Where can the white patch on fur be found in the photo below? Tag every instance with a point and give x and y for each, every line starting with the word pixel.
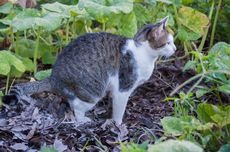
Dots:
pixel 80 108
pixel 145 57
pixel 169 49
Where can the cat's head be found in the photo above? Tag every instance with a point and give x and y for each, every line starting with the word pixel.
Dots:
pixel 158 39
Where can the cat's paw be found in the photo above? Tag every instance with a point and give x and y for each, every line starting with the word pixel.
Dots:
pixel 108 124
pixel 82 120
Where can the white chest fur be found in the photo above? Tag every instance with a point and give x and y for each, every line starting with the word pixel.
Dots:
pixel 145 60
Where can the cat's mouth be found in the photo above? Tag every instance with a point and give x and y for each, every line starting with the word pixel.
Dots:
pixel 168 55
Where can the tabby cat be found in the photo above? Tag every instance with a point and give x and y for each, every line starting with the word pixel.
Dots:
pixel 95 63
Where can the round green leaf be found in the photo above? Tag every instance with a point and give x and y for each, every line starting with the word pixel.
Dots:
pixel 175 146
pixel 10 60
pixel 100 10
pixel 192 19
pixel 224 148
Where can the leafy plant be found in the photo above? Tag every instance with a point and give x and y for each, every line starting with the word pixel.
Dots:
pixel 175 146
pixel 13 66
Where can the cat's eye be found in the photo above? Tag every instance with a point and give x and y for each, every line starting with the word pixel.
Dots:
pixel 168 43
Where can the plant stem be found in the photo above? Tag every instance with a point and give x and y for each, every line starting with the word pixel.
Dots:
pixel 214 24
pixel 16 47
pixel 201 46
pixel 73 27
pixel 7 83
pixel 12 38
pixel 195 77
pixel 36 51
pixel 67 31
pixel 103 26
pixel 186 82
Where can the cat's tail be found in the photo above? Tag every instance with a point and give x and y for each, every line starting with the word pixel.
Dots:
pixel 16 92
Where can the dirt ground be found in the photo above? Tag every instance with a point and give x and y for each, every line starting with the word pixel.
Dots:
pixel 48 121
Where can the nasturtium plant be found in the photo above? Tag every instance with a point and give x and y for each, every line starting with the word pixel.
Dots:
pixel 66 11
pixel 193 23
pixel 26 48
pixel 6 8
pixel 33 19
pixel 215 114
pixel 10 64
pixel 131 147
pixel 224 148
pixel 102 9
pixel 177 126
pixel 129 25
pixel 175 146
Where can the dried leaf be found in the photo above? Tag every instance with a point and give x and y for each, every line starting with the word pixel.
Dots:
pixel 19 146
pixel 58 145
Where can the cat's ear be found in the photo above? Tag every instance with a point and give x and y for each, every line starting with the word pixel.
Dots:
pixel 151 31
pixel 142 35
pixel 164 22
pixel 159 30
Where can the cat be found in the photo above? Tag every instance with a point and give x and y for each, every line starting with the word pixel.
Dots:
pixel 95 63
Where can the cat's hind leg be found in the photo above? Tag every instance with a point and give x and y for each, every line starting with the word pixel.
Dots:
pixel 80 108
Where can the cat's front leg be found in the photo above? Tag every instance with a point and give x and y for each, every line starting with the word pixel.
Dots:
pixel 120 100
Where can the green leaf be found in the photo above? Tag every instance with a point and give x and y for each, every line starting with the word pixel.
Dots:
pixel 224 148
pixel 172 126
pixel 10 62
pixel 175 146
pixel 193 20
pixel 205 111
pixel 219 57
pixel 28 63
pixel 177 126
pixel 100 10
pixel 128 26
pixel 66 11
pixel 222 119
pixel 145 13
pixel 47 149
pixel 131 147
pixel 33 19
pixel 185 34
pixel 225 88
pixel 201 92
pixel 4 66
pixel 43 74
pixel 48 58
pixel 6 8
pixel 190 65
pixel 26 47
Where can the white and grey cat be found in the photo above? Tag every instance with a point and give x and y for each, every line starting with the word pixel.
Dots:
pixel 95 63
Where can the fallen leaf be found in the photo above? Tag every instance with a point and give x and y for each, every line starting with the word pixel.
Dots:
pixel 19 146
pixel 59 146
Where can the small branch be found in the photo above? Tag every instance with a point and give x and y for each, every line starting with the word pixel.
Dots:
pixel 214 24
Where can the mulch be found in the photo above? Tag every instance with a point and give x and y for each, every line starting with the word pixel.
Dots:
pixel 47 121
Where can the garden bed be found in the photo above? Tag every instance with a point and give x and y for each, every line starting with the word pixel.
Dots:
pixel 47 119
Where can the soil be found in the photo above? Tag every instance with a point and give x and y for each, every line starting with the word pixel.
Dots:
pixel 46 120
